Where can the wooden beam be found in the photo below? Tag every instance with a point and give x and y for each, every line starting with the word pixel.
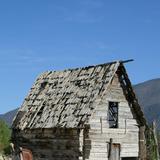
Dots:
pixel 155 139
pixel 110 148
pixel 126 61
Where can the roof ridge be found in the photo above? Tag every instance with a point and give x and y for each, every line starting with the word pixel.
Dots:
pixel 101 64
pixel 84 67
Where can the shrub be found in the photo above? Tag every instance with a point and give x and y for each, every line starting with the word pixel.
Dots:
pixel 5 134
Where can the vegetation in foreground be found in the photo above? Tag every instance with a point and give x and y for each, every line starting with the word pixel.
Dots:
pixel 5 134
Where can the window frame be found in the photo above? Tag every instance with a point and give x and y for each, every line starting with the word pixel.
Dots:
pixel 113 111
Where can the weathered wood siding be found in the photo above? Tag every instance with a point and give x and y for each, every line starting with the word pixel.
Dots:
pixel 127 133
pixel 92 142
pixel 65 115
pixel 50 144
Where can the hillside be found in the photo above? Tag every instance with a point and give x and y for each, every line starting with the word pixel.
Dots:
pixel 148 94
pixel 8 117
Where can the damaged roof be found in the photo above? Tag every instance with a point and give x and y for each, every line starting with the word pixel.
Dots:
pixel 64 98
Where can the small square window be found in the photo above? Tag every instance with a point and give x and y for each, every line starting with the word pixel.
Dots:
pixel 113 114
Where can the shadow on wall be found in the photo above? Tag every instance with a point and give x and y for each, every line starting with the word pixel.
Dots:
pixel 52 143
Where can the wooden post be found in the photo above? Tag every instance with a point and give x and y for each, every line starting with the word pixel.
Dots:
pixel 110 148
pixel 125 126
pixel 84 137
pixel 155 139
pixel 101 125
pixel 21 155
pixel 142 143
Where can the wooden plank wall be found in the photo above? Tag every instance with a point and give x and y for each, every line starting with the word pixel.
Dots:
pixel 92 142
pixel 127 133
pixel 49 144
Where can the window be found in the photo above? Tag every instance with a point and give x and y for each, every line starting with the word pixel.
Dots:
pixel 113 114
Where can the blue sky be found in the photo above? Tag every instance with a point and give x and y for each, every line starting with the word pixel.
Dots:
pixel 38 35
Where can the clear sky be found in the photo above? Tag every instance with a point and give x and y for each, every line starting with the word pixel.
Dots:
pixel 40 35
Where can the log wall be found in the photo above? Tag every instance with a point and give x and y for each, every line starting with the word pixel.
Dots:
pixel 50 144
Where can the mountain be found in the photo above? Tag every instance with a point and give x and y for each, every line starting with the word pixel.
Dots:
pixel 8 117
pixel 148 94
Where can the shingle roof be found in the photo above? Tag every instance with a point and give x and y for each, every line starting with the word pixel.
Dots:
pixel 68 98
pixel 64 98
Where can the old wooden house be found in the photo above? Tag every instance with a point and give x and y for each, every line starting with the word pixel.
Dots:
pixel 88 113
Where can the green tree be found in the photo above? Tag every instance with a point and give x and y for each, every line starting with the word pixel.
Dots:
pixel 5 134
pixel 151 144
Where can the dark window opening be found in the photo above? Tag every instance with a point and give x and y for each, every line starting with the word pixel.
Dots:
pixel 113 114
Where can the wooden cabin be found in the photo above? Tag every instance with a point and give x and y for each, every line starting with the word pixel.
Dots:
pixel 88 113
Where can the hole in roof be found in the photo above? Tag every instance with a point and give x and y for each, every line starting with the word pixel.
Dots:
pixel 41 110
pixel 43 85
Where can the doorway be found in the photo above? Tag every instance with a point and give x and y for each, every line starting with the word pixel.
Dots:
pixel 114 152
